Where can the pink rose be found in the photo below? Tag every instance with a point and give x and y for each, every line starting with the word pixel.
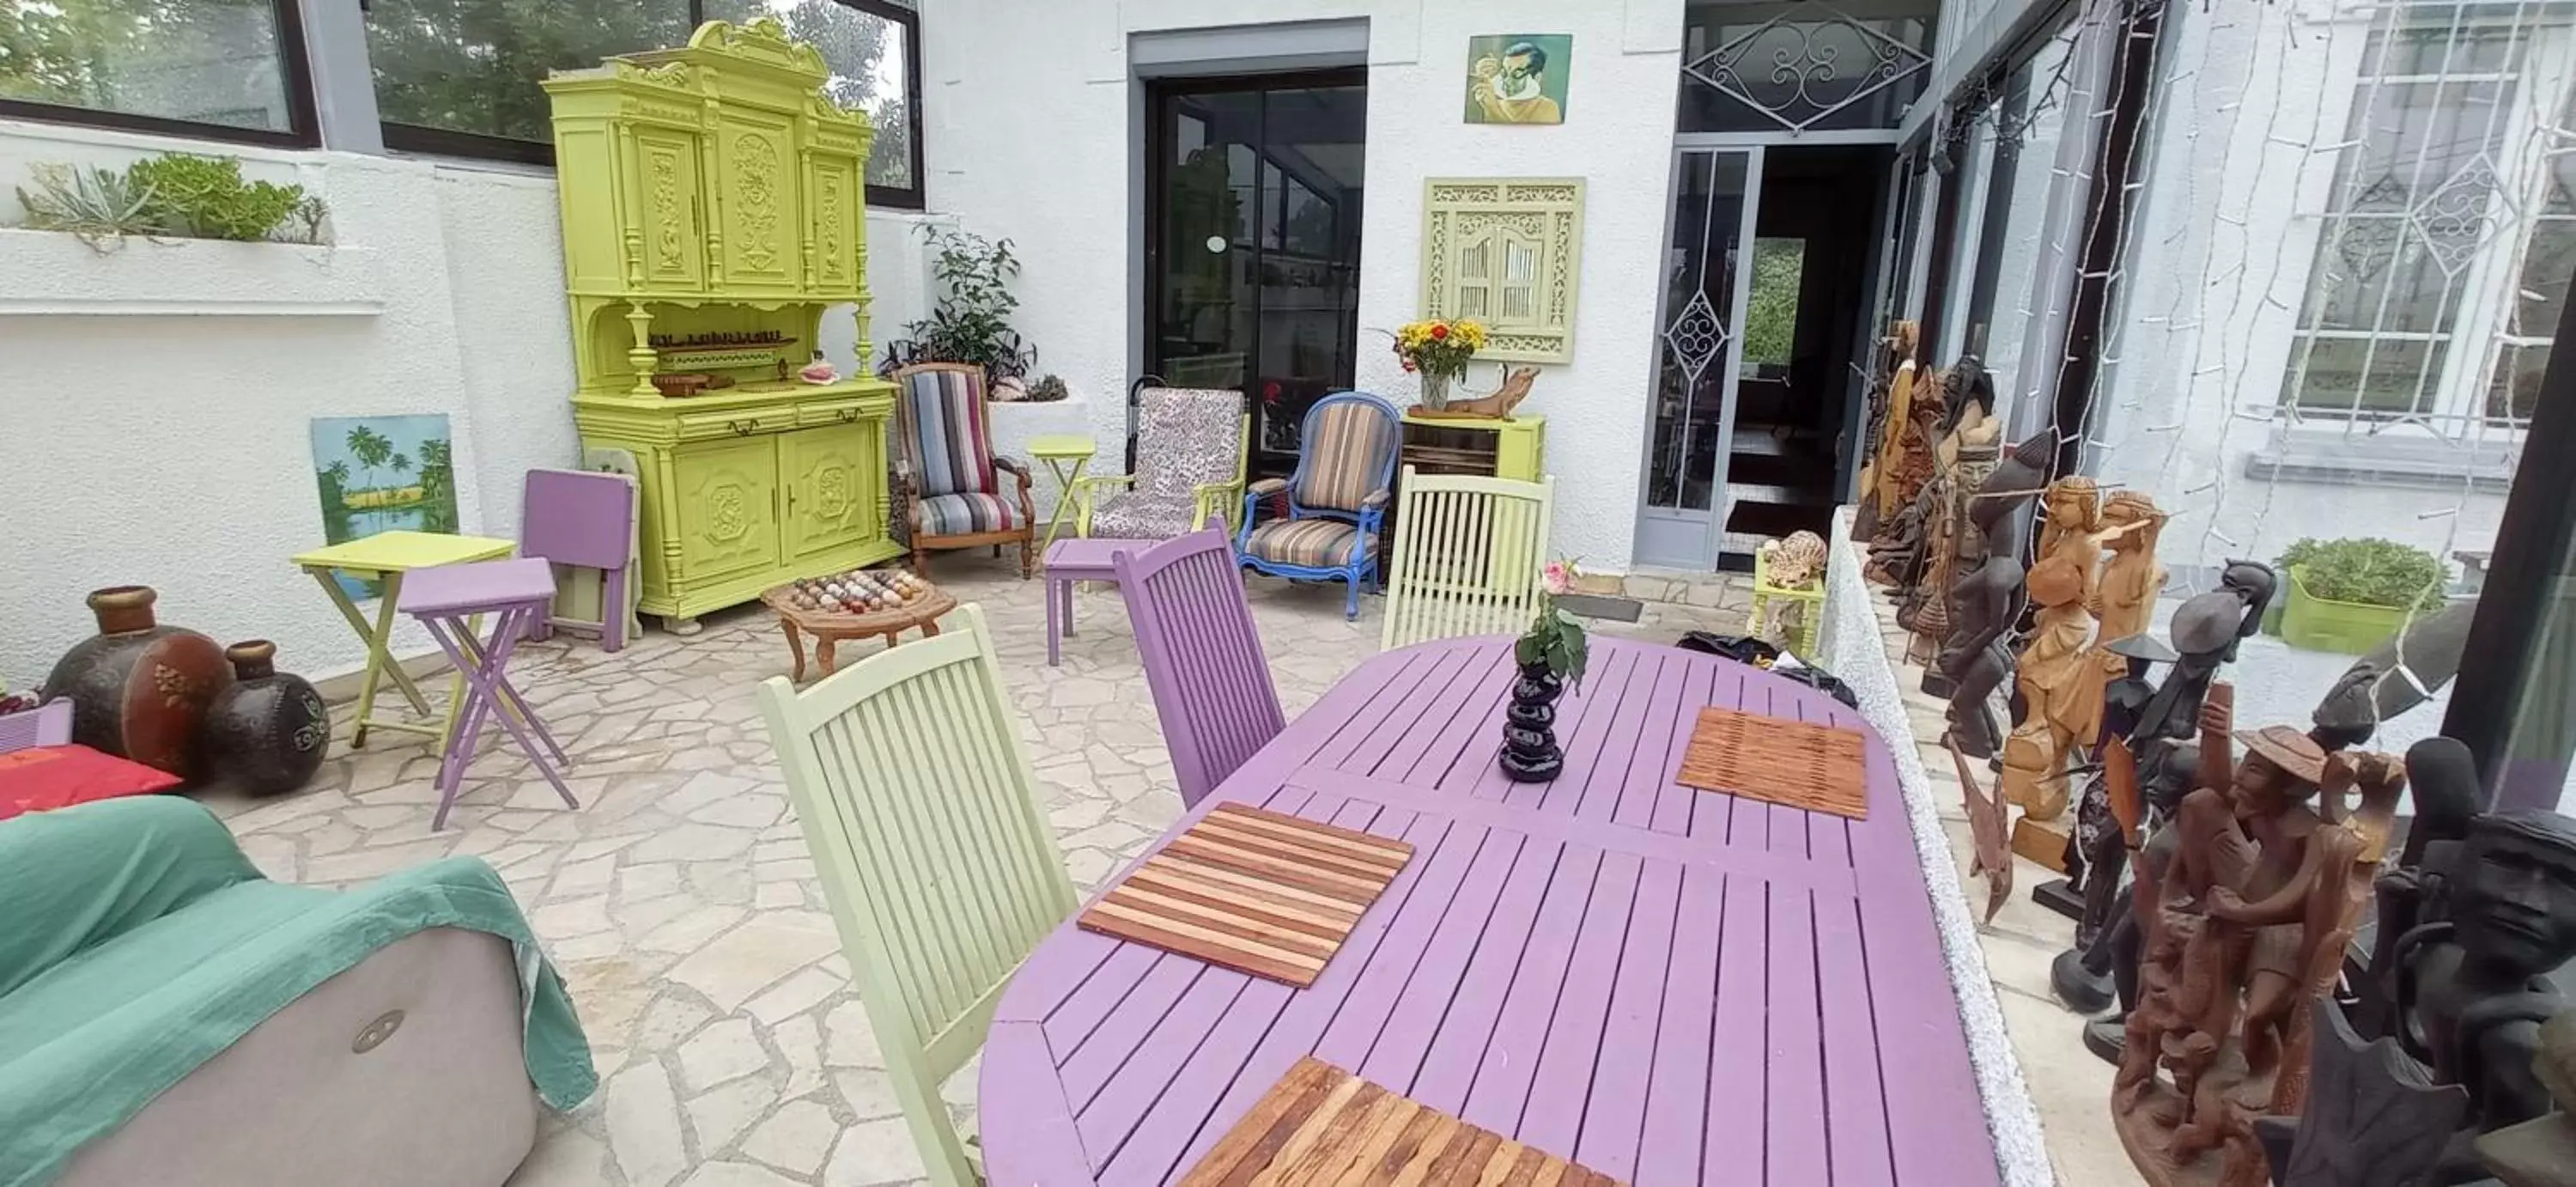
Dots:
pixel 1557 577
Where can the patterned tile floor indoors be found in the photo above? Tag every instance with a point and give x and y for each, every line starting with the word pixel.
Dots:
pixel 679 900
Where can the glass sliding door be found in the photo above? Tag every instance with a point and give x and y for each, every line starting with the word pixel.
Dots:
pixel 1254 188
pixel 1706 265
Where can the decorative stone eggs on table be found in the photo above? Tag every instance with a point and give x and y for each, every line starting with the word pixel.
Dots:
pixel 859 591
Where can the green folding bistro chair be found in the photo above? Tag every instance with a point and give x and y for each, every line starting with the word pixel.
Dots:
pixel 908 775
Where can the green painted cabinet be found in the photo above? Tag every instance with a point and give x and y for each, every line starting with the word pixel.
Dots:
pixel 714 212
pixel 830 506
pixel 727 509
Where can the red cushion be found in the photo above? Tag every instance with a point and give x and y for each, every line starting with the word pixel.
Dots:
pixel 42 777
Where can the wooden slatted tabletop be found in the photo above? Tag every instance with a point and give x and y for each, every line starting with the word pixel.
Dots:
pixel 1666 985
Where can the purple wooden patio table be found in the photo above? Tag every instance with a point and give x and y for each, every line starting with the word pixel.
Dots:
pixel 1668 985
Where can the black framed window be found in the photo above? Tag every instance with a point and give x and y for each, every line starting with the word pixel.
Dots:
pixel 459 77
pixel 211 69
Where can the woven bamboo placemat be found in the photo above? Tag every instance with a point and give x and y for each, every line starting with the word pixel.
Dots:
pixel 1801 764
pixel 1320 1126
pixel 1256 891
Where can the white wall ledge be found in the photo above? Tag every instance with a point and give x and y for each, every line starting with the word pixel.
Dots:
pixel 55 273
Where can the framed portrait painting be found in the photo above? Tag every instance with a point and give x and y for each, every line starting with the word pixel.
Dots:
pixel 1518 78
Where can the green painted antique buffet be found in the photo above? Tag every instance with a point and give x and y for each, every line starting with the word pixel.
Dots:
pixel 714 206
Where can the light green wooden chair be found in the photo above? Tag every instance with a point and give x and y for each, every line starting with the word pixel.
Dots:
pixel 1468 554
pixel 908 775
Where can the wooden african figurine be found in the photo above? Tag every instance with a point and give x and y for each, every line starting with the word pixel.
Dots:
pixel 1880 399
pixel 1896 557
pixel 2125 598
pixel 1992 856
pixel 2472 988
pixel 2060 678
pixel 2244 927
pixel 1986 602
pixel 1965 454
pixel 1879 482
pixel 2375 1118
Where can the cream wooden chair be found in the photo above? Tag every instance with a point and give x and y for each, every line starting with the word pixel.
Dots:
pixel 1468 555
pixel 909 777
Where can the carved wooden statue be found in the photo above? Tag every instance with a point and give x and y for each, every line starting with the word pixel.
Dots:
pixel 1986 812
pixel 2471 988
pixel 1987 601
pixel 1878 482
pixel 1887 410
pixel 2060 678
pixel 1966 453
pixel 2446 795
pixel 2126 597
pixel 1896 557
pixel 2206 629
pixel 2374 1117
pixel 2244 927
pixel 2542 1152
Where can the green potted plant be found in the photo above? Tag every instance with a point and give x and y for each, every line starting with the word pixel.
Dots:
pixel 971 321
pixel 2347 596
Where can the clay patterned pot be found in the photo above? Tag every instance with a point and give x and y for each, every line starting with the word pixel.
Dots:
pixel 267 732
pixel 139 689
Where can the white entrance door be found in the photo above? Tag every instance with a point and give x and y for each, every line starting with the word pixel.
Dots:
pixel 1707 254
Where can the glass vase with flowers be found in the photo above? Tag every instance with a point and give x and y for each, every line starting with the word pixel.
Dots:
pixel 1438 350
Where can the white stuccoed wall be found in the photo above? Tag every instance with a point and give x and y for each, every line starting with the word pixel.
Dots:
pixel 171 449
pixel 1030 136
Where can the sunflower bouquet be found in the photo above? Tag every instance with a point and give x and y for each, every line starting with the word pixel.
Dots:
pixel 1439 350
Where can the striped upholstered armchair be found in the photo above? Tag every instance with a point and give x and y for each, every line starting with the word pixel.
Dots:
pixel 950 477
pixel 1336 500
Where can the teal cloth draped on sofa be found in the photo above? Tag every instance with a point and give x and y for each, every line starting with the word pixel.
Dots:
pixel 139 943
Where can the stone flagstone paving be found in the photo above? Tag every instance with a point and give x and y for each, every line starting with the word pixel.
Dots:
pixel 681 905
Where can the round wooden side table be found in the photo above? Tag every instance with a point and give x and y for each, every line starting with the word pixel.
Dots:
pixel 829 627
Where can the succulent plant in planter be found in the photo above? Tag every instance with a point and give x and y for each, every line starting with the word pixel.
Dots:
pixel 1047 391
pixel 174 194
pixel 2349 595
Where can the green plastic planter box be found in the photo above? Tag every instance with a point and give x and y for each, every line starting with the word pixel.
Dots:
pixel 2345 628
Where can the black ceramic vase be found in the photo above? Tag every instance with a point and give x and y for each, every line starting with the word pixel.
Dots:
pixel 1530 754
pixel 267 732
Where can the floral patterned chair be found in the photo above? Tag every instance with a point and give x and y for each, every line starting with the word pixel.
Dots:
pixel 1337 499
pixel 950 477
pixel 1190 450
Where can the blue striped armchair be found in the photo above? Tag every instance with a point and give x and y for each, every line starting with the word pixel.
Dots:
pixel 1337 499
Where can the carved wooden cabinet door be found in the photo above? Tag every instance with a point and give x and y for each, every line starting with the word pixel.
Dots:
pixel 666 200
pixel 727 507
pixel 757 182
pixel 833 475
pixel 839 198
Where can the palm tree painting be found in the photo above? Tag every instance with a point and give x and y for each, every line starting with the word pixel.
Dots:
pixel 383 474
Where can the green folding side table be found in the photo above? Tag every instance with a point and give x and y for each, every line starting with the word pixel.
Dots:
pixel 385 557
pixel 1065 455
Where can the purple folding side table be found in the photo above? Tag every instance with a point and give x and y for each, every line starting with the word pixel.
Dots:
pixel 1069 561
pixel 519 593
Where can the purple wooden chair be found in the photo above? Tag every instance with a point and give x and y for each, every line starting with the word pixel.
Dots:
pixel 584 519
pixel 1202 656
pixel 48 724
